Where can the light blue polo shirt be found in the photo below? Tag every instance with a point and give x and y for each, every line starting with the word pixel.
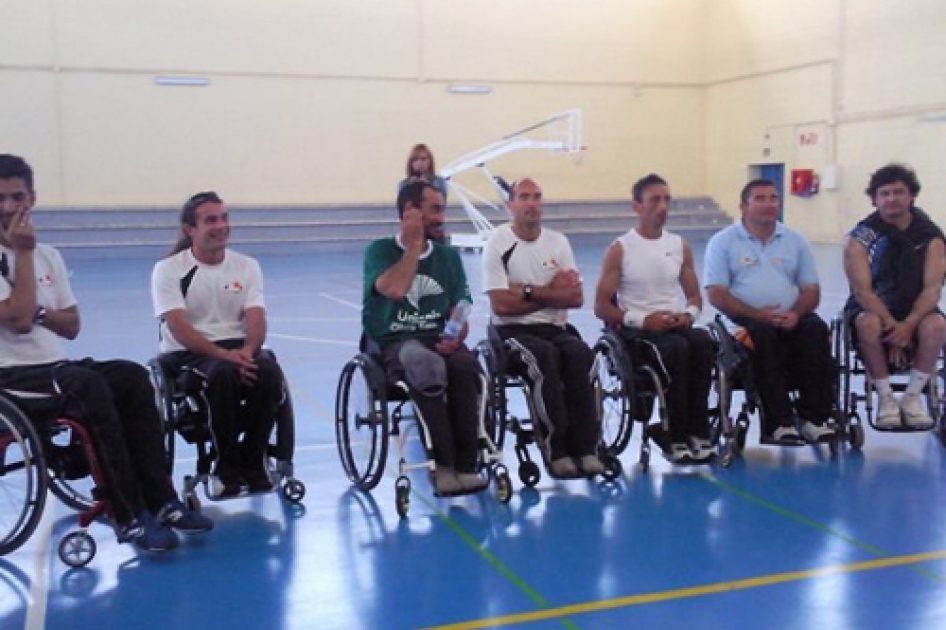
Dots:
pixel 760 275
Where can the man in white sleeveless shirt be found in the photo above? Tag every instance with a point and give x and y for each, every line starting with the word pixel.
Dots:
pixel 648 290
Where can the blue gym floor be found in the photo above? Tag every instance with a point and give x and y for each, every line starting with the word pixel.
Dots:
pixel 784 539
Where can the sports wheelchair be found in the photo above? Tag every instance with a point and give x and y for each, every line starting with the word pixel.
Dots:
pixel 185 411
pixel 852 366
pixel 51 451
pixel 493 353
pixel 369 410
pixel 734 373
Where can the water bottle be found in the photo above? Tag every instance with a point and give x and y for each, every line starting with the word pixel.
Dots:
pixel 461 312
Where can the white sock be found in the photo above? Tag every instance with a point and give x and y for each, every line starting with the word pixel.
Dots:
pixel 882 385
pixel 918 381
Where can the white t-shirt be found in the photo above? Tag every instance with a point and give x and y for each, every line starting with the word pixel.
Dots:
pixel 650 274
pixel 507 258
pixel 53 292
pixel 217 295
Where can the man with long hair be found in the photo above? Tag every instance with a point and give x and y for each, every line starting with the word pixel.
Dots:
pixel 209 299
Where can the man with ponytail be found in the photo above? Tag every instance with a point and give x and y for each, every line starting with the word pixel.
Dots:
pixel 209 300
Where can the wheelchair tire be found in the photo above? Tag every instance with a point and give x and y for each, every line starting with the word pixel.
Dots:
pixel 855 435
pixel 77 549
pixel 503 484
pixel 614 389
pixel 293 491
pixel 495 395
pixel 361 422
pixel 23 479
pixel 402 496
pixel 612 468
pixel 529 474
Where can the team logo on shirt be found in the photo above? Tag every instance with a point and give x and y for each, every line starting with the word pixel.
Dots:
pixel 45 280
pixel 551 263
pixel 747 261
pixel 421 288
pixel 233 287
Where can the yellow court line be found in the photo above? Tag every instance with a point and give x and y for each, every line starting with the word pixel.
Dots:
pixel 694 591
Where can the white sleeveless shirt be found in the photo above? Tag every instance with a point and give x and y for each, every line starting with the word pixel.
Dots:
pixel 650 274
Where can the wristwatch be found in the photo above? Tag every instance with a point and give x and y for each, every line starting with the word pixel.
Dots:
pixel 40 315
pixel 527 292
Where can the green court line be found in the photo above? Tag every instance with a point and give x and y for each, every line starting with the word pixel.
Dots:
pixel 804 520
pixel 694 591
pixel 492 560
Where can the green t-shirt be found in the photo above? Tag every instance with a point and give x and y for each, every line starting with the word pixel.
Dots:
pixel 439 284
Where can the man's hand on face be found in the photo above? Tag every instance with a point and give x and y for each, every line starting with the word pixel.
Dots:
pixel 412 228
pixel 20 235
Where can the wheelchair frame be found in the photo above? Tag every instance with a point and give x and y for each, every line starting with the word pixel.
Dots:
pixel 36 454
pixel 733 373
pixel 183 396
pixel 492 352
pixel 851 364
pixel 381 421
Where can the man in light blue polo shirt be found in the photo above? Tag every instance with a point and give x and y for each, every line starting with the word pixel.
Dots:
pixel 762 276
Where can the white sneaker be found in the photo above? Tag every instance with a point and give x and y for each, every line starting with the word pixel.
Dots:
pixel 914 412
pixel 815 433
pixel 701 449
pixel 888 411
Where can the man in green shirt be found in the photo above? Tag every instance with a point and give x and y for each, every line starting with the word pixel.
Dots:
pixel 413 282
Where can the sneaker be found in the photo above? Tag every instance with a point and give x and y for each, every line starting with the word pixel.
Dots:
pixel 591 465
pixel 148 534
pixel 446 482
pixel 785 435
pixel 258 480
pixel 815 433
pixel 888 411
pixel 176 515
pixel 563 468
pixel 224 487
pixel 678 453
pixel 701 449
pixel 471 482
pixel 914 412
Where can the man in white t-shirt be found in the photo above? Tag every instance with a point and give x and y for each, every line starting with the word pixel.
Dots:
pixel 649 292
pixel 210 302
pixel 113 400
pixel 530 277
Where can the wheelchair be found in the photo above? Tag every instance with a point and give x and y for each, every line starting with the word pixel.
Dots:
pixel 852 367
pixel 733 372
pixel 370 410
pixel 184 409
pixel 493 353
pixel 629 391
pixel 52 452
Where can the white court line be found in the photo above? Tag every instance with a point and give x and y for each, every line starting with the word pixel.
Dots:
pixel 329 296
pixel 334 342
pixel 39 588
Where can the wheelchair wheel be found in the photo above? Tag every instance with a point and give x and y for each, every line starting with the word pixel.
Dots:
pixel 77 549
pixel 612 467
pixel 402 496
pixel 23 480
pixel 68 470
pixel 529 474
pixel 164 402
pixel 495 395
pixel 503 484
pixel 361 422
pixel 293 491
pixel 613 391
pixel 855 433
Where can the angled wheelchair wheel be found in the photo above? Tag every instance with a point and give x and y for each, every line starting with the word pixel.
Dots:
pixel 77 549
pixel 164 401
pixel 23 479
pixel 361 422
pixel 68 469
pixel 495 394
pixel 613 389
